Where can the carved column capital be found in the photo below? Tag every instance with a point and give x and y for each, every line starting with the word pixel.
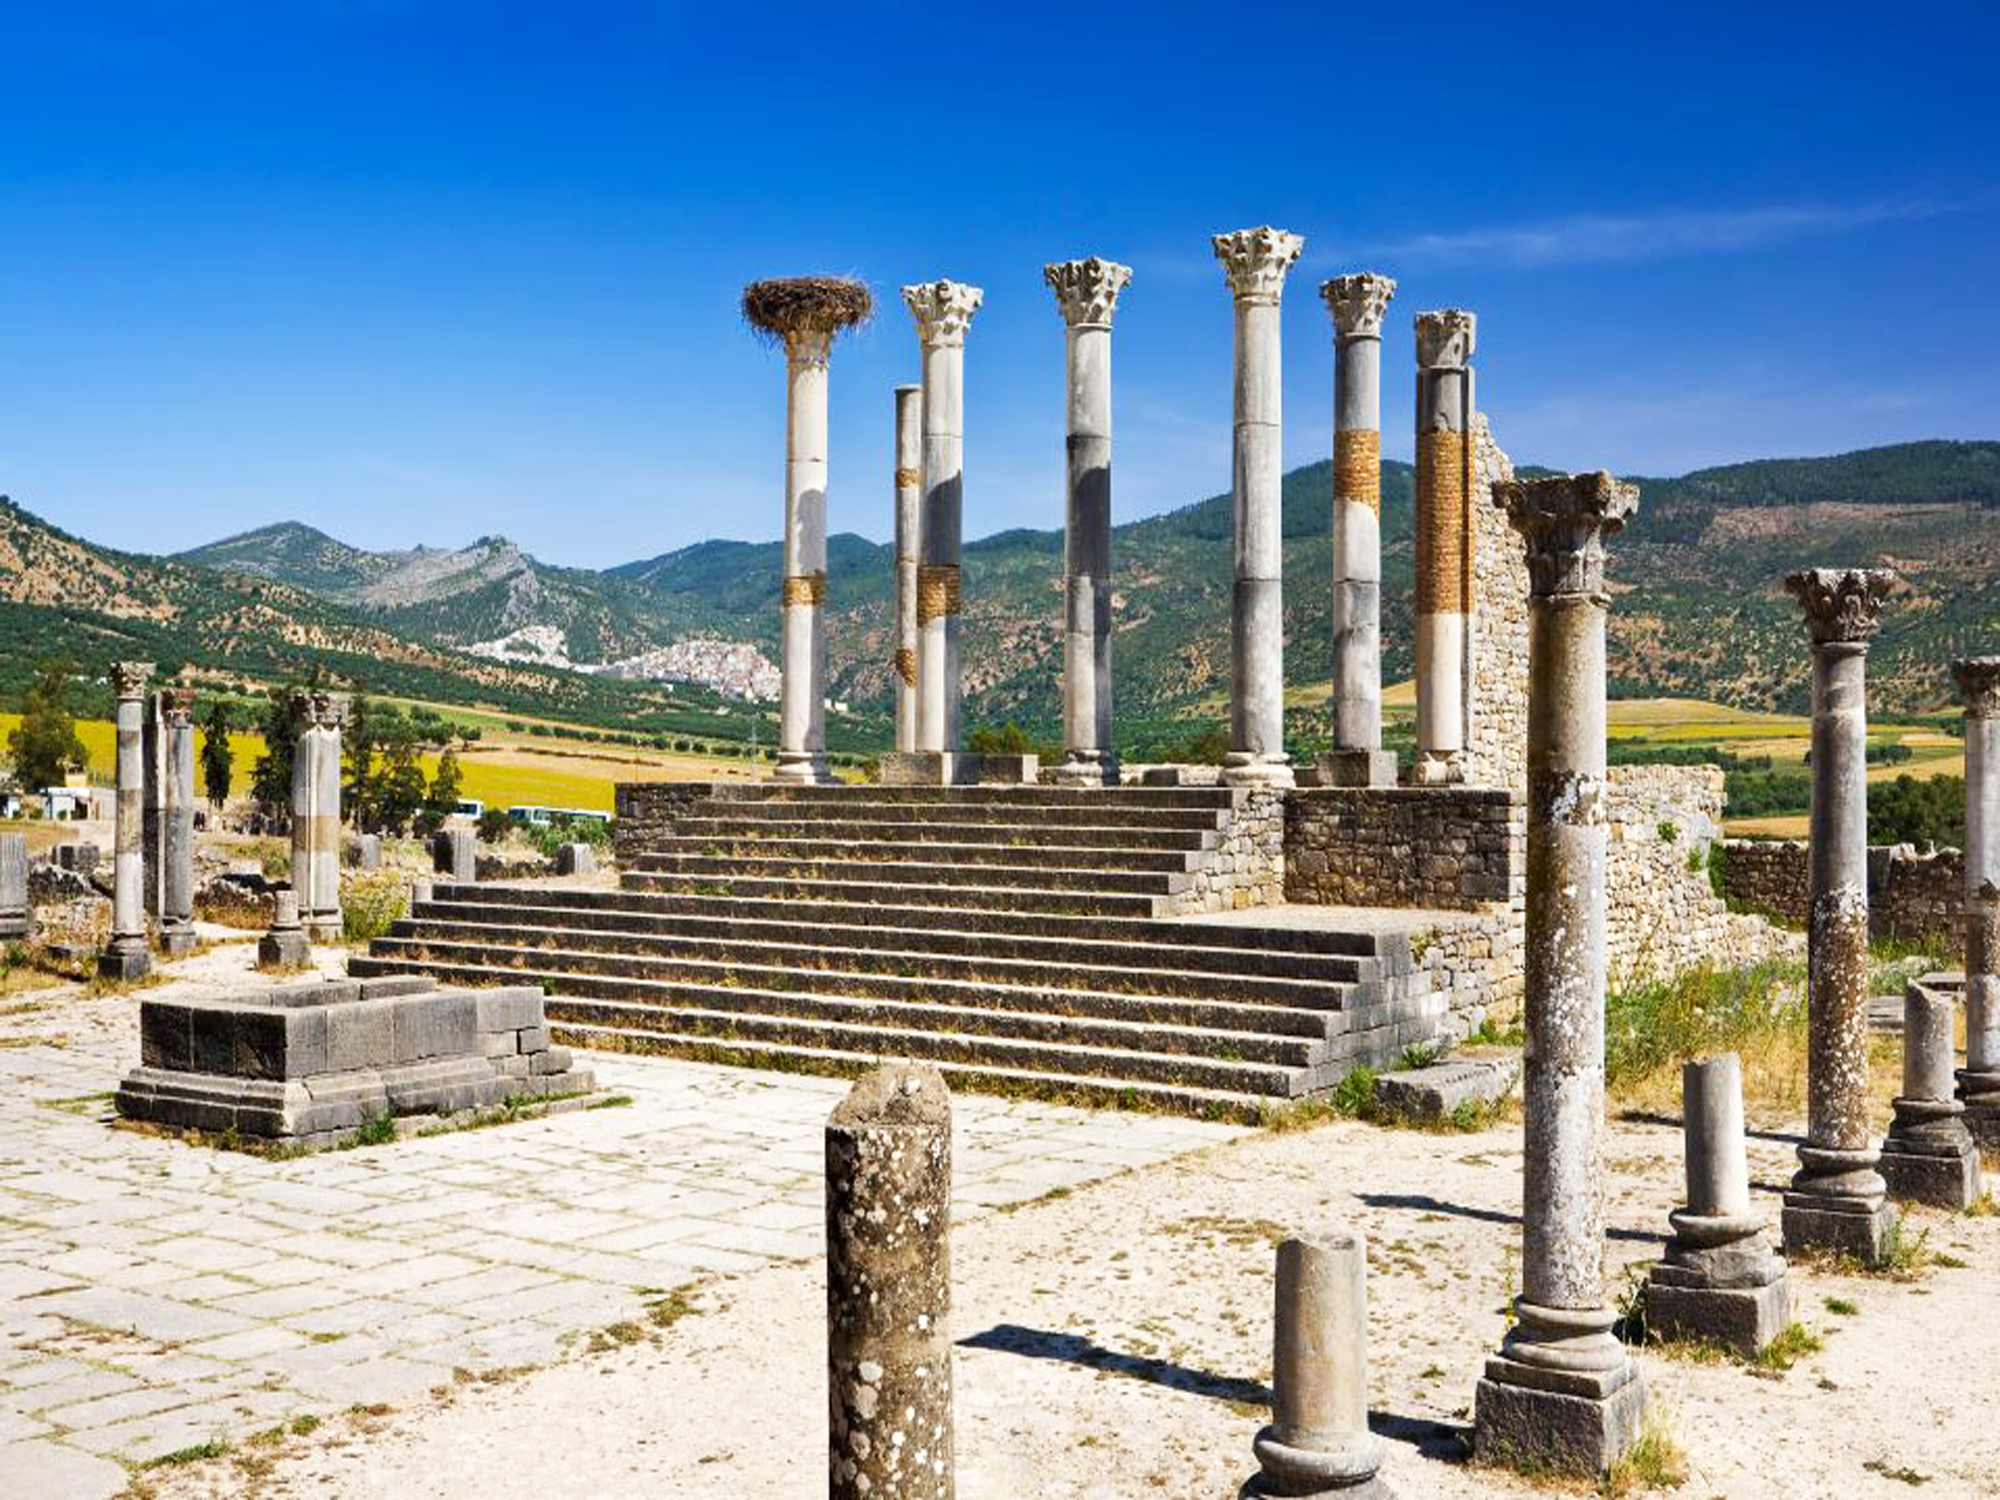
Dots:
pixel 1564 520
pixel 808 347
pixel 1358 303
pixel 177 706
pixel 1446 338
pixel 1087 290
pixel 329 710
pixel 1842 605
pixel 128 678
pixel 1256 260
pixel 943 310
pixel 1978 679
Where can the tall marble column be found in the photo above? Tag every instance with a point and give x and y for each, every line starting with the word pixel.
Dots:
pixel 1979 1084
pixel 1562 1392
pixel 1255 262
pixel 316 814
pixel 1087 296
pixel 1444 539
pixel 1837 1199
pixel 909 520
pixel 127 956
pixel 943 311
pixel 177 822
pixel 1357 304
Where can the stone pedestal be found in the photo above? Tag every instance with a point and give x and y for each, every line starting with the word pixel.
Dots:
pixel 1978 680
pixel 1928 1155
pixel 1838 1200
pixel 1256 262
pixel 888 1288
pixel 1444 532
pixel 1719 1282
pixel 14 923
pixel 177 936
pixel 1087 296
pixel 285 945
pixel 364 852
pixel 455 854
pixel 1318 1444
pixel 576 859
pixel 128 956
pixel 1562 1393
pixel 943 311
pixel 1357 768
pixel 909 489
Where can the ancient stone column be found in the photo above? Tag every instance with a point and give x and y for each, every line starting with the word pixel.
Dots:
pixel 1837 1199
pixel 14 922
pixel 1979 1085
pixel 284 946
pixel 943 311
pixel 1255 262
pixel 1357 303
pixel 806 314
pixel 127 956
pixel 455 852
pixel 1444 539
pixel 888 1288
pixel 1719 1281
pixel 1562 1392
pixel 1318 1443
pixel 1087 296
pixel 316 814
pixel 1928 1155
pixel 909 517
pixel 177 822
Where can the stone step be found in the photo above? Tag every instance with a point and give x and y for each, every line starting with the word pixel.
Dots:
pixel 1083 900
pixel 892 969
pixel 784 927
pixel 1020 796
pixel 1051 876
pixel 997 814
pixel 918 831
pixel 773 1016
pixel 1022 855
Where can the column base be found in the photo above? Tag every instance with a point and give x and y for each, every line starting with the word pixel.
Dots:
pixel 127 958
pixel 1357 768
pixel 1944 1179
pixel 1438 768
pixel 1864 1228
pixel 283 950
pixel 1345 1471
pixel 1087 769
pixel 1681 1305
pixel 1981 1094
pixel 325 930
pixel 929 768
pixel 14 927
pixel 1248 768
pixel 1568 1421
pixel 801 768
pixel 177 941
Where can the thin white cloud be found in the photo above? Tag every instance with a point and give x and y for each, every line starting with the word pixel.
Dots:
pixel 1594 239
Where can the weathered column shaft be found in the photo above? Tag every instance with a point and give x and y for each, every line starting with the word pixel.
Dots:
pixel 14 923
pixel 127 956
pixel 326 918
pixel 177 831
pixel 909 491
pixel 1979 682
pixel 1445 342
pixel 1929 1154
pixel 888 1288
pixel 1718 1164
pixel 1318 1442
pixel 802 706
pixel 1357 304
pixel 1255 262
pixel 1086 296
pixel 305 805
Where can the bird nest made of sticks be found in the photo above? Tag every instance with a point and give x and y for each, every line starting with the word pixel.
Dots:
pixel 805 304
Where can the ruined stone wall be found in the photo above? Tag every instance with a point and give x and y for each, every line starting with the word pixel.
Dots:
pixel 1248 869
pixel 1445 848
pixel 1912 897
pixel 646 811
pixel 1496 654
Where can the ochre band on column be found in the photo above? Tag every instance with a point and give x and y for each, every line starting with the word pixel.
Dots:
pixel 1442 585
pixel 937 592
pixel 806 588
pixel 1357 467
pixel 909 479
pixel 906 667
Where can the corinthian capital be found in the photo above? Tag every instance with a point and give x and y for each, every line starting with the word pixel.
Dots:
pixel 1564 519
pixel 1087 290
pixel 943 310
pixel 1841 604
pixel 1979 681
pixel 1357 303
pixel 128 678
pixel 808 346
pixel 329 710
pixel 1445 338
pixel 1256 260
pixel 177 705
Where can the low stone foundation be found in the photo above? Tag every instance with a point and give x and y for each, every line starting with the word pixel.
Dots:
pixel 1248 868
pixel 1913 897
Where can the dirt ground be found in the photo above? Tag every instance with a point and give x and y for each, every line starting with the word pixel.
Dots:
pixel 1114 1341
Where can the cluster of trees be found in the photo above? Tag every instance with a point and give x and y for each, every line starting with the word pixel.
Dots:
pixel 45 746
pixel 1909 811
pixel 385 790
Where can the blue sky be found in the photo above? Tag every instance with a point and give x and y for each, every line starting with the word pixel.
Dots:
pixel 417 272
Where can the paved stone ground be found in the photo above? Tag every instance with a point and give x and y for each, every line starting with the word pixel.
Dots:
pixel 155 1296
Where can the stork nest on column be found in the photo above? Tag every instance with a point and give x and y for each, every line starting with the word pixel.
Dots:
pixel 789 305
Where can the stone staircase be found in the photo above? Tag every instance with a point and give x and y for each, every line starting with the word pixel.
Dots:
pixel 1020 938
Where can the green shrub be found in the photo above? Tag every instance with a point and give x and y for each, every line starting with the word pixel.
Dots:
pixel 1656 1025
pixel 370 905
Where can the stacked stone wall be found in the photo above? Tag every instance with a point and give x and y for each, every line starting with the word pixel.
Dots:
pixel 1496 657
pixel 647 811
pixel 1445 848
pixel 1248 868
pixel 1913 897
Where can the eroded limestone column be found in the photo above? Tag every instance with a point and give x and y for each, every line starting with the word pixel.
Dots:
pixel 909 513
pixel 1837 1199
pixel 1318 1443
pixel 316 814
pixel 943 311
pixel 1444 539
pixel 1562 1392
pixel 1979 1085
pixel 1255 262
pixel 1357 303
pixel 888 1288
pixel 177 822
pixel 127 956
pixel 14 921
pixel 1718 1282
pixel 1928 1155
pixel 1087 296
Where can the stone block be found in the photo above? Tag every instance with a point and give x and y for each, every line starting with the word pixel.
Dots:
pixel 1477 1076
pixel 455 852
pixel 1357 768
pixel 280 1043
pixel 284 948
pixel 1944 1180
pixel 397 984
pixel 361 1035
pixel 554 1060
pixel 126 963
pixel 311 992
pixel 1008 770
pixel 1744 1319
pixel 576 859
pixel 513 1009
pixel 1839 1226
pixel 443 1023
pixel 533 1039
pixel 1542 1428
pixel 929 768
pixel 499 1043
pixel 212 1039
pixel 364 851
pixel 166 1038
